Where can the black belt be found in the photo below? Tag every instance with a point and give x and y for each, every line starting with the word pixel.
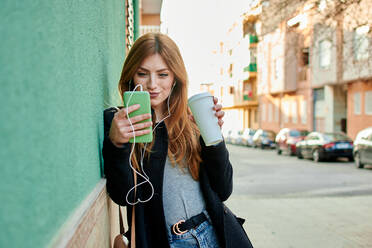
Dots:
pixel 184 226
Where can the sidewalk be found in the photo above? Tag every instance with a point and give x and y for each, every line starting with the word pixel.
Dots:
pixel 321 222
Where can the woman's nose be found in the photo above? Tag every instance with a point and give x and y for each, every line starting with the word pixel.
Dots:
pixel 151 82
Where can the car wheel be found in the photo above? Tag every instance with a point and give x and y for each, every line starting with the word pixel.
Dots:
pixel 358 162
pixel 316 155
pixel 298 153
pixel 278 151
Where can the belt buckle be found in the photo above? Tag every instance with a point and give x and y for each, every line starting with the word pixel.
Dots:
pixel 177 230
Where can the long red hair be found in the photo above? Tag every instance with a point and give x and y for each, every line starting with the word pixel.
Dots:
pixel 183 146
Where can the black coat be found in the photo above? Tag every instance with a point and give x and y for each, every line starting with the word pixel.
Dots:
pixel 215 180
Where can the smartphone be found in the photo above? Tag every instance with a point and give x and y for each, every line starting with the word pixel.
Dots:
pixel 143 99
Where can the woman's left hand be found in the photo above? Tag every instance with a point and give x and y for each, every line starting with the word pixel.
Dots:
pixel 219 113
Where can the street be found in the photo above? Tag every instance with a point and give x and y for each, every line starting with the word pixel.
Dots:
pixel 288 202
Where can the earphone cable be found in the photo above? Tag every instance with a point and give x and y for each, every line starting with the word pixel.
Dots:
pixel 143 151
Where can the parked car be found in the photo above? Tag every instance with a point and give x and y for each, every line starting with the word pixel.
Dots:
pixel 231 136
pixel 264 138
pixel 322 146
pixel 287 138
pixel 239 138
pixel 246 137
pixel 226 133
pixel 363 148
pixel 234 136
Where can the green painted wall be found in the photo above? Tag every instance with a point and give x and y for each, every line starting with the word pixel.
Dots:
pixel 59 67
pixel 137 14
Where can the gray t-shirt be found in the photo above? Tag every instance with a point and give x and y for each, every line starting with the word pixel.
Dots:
pixel 182 196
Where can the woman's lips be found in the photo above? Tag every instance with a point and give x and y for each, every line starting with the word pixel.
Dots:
pixel 153 94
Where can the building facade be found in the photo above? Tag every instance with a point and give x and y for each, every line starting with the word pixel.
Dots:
pixel 314 68
pixel 285 96
pixel 357 65
pixel 236 70
pixel 341 69
pixel 150 16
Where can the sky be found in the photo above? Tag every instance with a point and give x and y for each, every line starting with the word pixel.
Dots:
pixel 197 27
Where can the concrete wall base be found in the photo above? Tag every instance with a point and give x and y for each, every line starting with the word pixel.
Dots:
pixel 94 224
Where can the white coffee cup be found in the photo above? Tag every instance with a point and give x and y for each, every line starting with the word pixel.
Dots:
pixel 201 106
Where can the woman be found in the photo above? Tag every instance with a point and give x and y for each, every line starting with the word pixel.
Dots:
pixel 187 180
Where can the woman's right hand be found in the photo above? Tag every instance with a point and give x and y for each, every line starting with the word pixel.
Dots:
pixel 121 130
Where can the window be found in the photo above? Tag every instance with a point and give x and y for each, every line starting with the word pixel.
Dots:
pixel 276 68
pixel 247 91
pixel 294 112
pixel 319 94
pixel 270 112
pixel 231 90
pixel 276 110
pixel 303 109
pixel 361 42
pixel 263 111
pixel 325 53
pixel 368 103
pixel 253 55
pixel 255 115
pixel 305 56
pixel 294 133
pixel 231 67
pixel 285 110
pixel 357 103
pixel 329 137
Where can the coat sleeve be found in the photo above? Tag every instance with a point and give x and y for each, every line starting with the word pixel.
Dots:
pixel 116 164
pixel 218 168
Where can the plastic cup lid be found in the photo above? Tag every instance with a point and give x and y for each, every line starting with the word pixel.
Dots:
pixel 198 96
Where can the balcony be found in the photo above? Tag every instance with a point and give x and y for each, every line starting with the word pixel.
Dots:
pixel 252 67
pixel 149 28
pixel 253 39
pixel 247 97
pixel 249 91
pixel 250 71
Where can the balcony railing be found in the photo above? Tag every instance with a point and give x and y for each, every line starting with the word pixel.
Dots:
pixel 247 98
pixel 149 28
pixel 252 67
pixel 253 39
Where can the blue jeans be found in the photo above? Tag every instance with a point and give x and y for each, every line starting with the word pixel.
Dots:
pixel 203 236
